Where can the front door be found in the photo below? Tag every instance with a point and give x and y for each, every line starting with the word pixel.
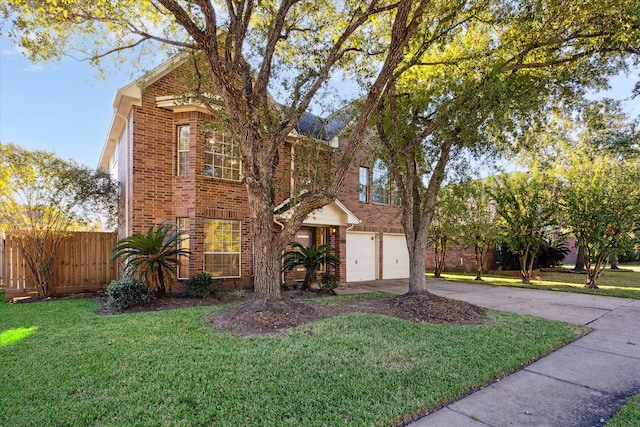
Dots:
pixel 304 236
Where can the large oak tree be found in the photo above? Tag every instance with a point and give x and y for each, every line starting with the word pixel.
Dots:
pixel 502 66
pixel 251 50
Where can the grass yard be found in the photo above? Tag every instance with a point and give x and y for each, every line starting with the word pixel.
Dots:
pixel 625 284
pixel 629 414
pixel 65 365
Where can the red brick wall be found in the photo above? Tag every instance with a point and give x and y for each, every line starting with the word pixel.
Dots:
pixel 153 162
pixel 458 258
pixel 374 217
pixel 156 194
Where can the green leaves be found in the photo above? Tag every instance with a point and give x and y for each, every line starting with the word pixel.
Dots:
pixel 42 196
pixel 527 205
pixel 152 257
pixel 600 205
pixel 311 258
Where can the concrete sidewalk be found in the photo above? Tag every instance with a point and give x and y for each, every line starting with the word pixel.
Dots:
pixel 581 384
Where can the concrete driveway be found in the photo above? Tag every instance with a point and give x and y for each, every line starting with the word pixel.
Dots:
pixel 581 384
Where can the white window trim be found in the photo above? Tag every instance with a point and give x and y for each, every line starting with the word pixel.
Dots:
pixel 207 151
pixel 373 184
pixel 367 185
pixel 226 253
pixel 182 231
pixel 179 151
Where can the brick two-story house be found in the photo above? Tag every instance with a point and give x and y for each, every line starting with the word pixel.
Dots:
pixel 172 167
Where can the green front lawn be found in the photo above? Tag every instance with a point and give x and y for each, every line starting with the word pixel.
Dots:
pixel 629 414
pixel 63 364
pixel 625 284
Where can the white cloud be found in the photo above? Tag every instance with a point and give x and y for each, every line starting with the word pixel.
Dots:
pixel 18 57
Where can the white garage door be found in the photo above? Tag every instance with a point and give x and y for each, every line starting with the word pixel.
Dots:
pixel 361 257
pixel 395 257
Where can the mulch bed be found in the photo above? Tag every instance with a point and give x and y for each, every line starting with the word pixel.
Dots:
pixel 257 317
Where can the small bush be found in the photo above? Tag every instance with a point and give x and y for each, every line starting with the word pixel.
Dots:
pixel 329 282
pixel 127 293
pixel 551 254
pixel 632 252
pixel 202 285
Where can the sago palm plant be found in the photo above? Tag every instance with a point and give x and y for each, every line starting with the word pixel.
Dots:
pixel 152 257
pixel 311 258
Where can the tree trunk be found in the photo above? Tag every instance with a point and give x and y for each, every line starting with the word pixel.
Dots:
pixel 161 292
pixel 266 280
pixel 266 241
pixel 579 259
pixel 43 278
pixel 308 278
pixel 479 261
pixel 525 273
pixel 417 269
pixel 613 260
pixel 440 251
pixel 591 284
pixel 39 258
pixel 594 272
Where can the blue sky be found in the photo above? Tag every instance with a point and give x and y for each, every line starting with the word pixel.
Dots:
pixel 64 107
pixel 61 106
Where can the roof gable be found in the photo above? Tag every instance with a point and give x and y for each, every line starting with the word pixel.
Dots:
pixel 131 95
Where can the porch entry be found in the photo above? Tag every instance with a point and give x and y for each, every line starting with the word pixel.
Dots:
pixel 308 236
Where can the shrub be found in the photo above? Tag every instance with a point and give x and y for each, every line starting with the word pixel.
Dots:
pixel 329 282
pixel 630 255
pixel 153 257
pixel 311 258
pixel 632 252
pixel 125 293
pixel 202 285
pixel 551 254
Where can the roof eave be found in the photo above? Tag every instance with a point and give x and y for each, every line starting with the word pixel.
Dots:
pixel 125 98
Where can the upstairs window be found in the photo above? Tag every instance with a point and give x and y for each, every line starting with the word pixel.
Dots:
pixel 381 187
pixel 363 187
pixel 397 199
pixel 222 157
pixel 184 135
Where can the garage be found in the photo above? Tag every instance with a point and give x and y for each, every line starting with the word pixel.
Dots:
pixel 395 257
pixel 361 257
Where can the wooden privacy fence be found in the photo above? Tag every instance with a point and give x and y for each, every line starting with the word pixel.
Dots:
pixel 82 263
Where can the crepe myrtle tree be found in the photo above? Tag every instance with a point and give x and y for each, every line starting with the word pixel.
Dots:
pixel 526 203
pixel 594 151
pixel 251 52
pixel 446 224
pixel 478 228
pixel 43 198
pixel 600 205
pixel 608 130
